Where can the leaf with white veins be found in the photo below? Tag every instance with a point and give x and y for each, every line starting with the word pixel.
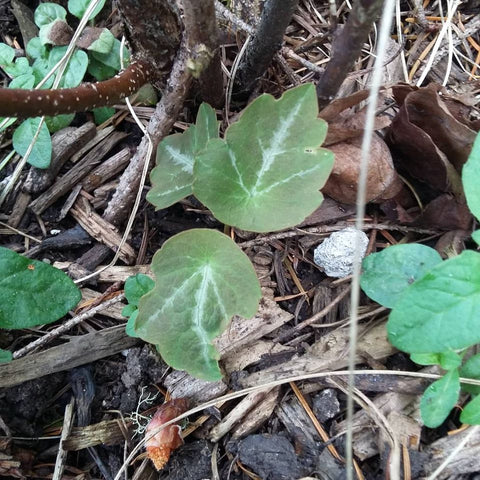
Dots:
pixel 202 280
pixel 172 178
pixel 267 173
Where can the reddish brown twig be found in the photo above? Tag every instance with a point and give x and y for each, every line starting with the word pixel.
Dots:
pixel 17 102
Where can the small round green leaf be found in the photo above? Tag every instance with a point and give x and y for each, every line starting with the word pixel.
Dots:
pixel 20 67
pixel 471 179
pixel 385 275
pixel 136 287
pixel 439 399
pixel 54 124
pixel 32 292
pixel 40 69
pixel 172 178
pixel 267 173
pixel 41 153
pixel 202 279
pixel 79 7
pixel 112 58
pixel 104 42
pixel 7 54
pixel 35 49
pixel 425 358
pixel 471 412
pixel 48 12
pixel 439 312
pixel 26 81
pixel 76 68
pixel 5 356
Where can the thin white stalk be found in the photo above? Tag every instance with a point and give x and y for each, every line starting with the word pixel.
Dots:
pixel 385 24
pixel 398 20
pixel 450 43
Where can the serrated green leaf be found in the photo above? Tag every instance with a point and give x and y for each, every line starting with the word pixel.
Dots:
pixel 202 279
pixel 7 54
pixel 41 153
pixel 439 312
pixel 425 358
pixel 23 81
pixel 471 179
pixel 76 68
pixel 48 12
pixel 79 7
pixel 5 356
pixel 385 275
pixel 267 173
pixel 102 114
pixel 20 67
pixel 439 399
pixel 54 124
pixel 104 43
pixel 172 178
pixel 471 369
pixel 476 236
pixel 32 292
pixel 471 412
pixel 35 49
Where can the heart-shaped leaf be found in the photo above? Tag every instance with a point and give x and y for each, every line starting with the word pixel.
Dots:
pixel 439 312
pixel 439 399
pixel 388 273
pixel 267 173
pixel 41 153
pixel 32 292
pixel 172 178
pixel 202 279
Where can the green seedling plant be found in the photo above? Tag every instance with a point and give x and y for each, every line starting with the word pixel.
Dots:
pixel 32 293
pixel 435 309
pixel 99 56
pixel 264 175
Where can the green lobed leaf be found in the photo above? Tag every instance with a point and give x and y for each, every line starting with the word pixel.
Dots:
pixel 136 287
pixel 76 68
pixel 54 124
pixel 267 173
pixel 79 7
pixel 112 58
pixel 5 356
pixel 471 412
pixel 26 80
pixel 35 49
pixel 439 399
pixel 32 292
pixel 20 67
pixel 202 280
pixel 172 178
pixel 7 54
pixel 48 12
pixel 471 369
pixel 41 153
pixel 104 43
pixel 471 179
pixel 385 275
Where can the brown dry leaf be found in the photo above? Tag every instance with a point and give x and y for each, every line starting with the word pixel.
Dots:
pixel 161 444
pixel 382 179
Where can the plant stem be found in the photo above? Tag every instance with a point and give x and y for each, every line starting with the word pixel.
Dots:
pixel 22 103
pixel 267 41
pixel 346 48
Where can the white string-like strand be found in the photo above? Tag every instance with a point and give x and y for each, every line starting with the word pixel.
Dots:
pixel 138 198
pixel 385 24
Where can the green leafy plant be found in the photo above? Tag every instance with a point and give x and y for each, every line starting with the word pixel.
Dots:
pixel 32 293
pixel 435 307
pixel 264 175
pixel 135 287
pixel 99 55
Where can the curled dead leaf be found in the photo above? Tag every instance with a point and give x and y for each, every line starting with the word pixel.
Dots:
pixel 382 179
pixel 160 445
